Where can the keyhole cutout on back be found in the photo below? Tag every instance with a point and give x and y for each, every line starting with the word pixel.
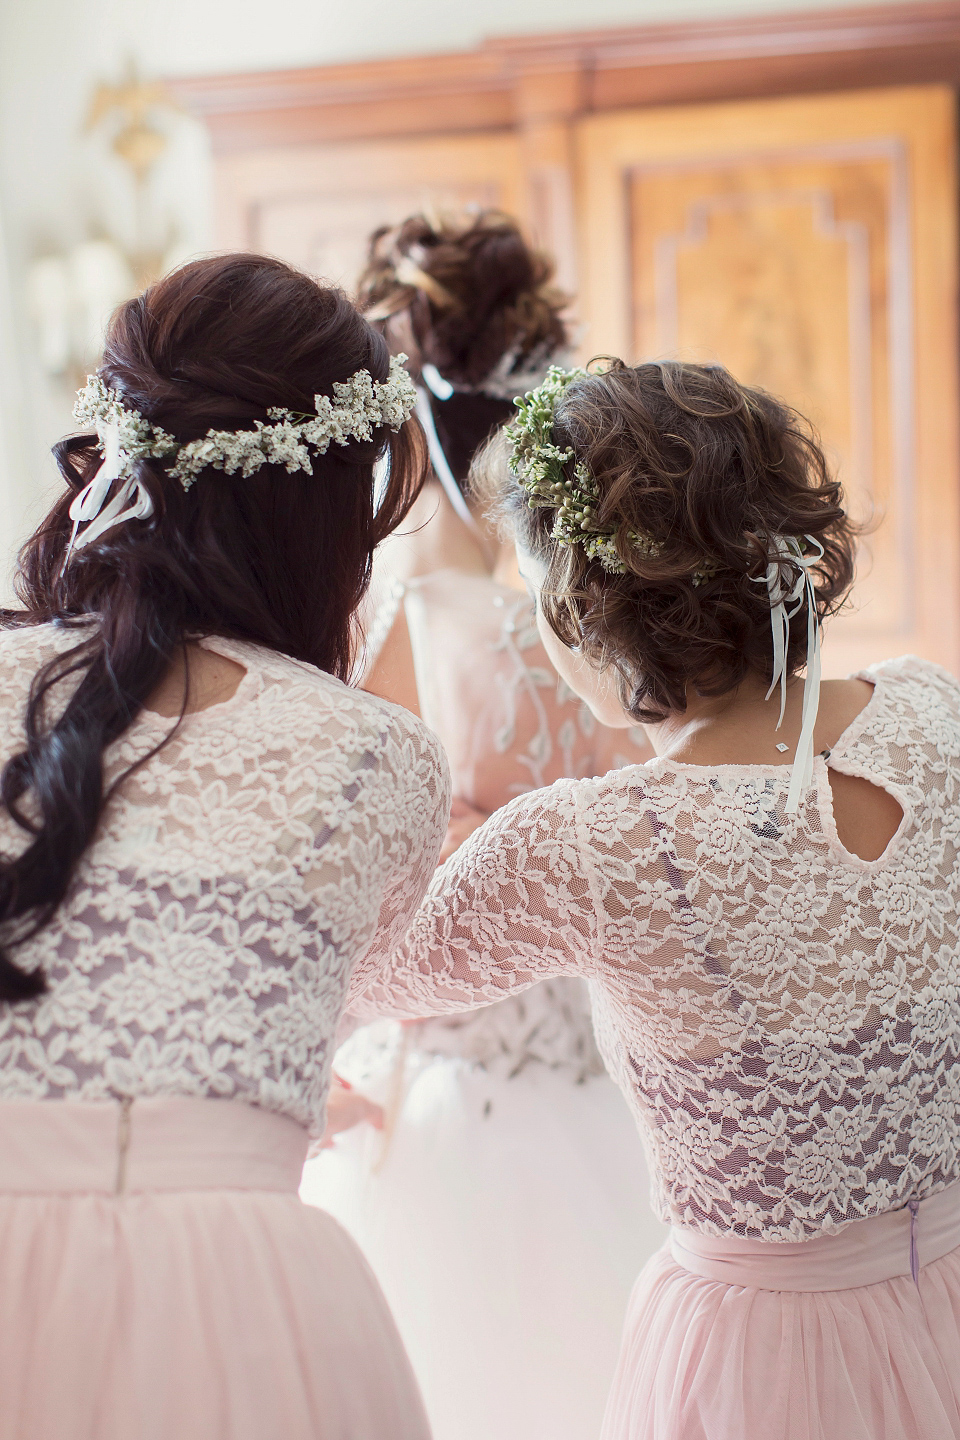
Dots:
pixel 214 679
pixel 866 816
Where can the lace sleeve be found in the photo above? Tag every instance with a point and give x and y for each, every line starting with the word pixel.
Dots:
pixel 407 812
pixel 514 905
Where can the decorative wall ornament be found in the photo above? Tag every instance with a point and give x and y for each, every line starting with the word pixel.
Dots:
pixel 72 293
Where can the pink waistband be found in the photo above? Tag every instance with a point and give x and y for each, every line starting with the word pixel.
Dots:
pixel 162 1143
pixel 865 1252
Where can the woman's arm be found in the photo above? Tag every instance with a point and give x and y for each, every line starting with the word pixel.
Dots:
pixel 511 907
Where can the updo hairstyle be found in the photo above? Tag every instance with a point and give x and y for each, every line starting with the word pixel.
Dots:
pixel 710 470
pixel 467 295
pixel 275 559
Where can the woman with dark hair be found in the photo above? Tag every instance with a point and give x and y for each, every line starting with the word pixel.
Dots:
pixel 768 911
pixel 204 832
pixel 459 1213
pixel 472 307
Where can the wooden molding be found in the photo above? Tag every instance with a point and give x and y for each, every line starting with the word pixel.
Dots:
pixel 440 94
pixel 516 81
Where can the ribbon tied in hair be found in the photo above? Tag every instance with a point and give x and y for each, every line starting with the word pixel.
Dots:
pixel 784 604
pixel 88 506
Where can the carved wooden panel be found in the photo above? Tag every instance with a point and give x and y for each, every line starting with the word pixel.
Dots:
pixel 316 205
pixel 810 246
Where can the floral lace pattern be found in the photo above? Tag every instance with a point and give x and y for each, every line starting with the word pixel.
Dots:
pixel 509 726
pixel 783 1016
pixel 209 936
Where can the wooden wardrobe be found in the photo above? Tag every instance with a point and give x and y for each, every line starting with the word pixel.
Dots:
pixel 779 194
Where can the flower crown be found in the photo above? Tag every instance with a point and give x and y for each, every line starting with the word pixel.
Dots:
pixel 359 405
pixel 540 467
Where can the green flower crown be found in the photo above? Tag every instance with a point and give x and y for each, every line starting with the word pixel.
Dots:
pixel 539 465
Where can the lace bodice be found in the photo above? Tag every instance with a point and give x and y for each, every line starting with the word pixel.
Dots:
pixel 783 1016
pixel 239 877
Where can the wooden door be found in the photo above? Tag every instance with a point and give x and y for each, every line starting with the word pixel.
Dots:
pixel 810 245
pixel 315 205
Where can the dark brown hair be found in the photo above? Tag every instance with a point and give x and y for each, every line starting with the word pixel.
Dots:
pixel 461 293
pixel 280 560
pixel 711 471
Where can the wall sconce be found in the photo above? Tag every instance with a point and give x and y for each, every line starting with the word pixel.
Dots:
pixel 71 295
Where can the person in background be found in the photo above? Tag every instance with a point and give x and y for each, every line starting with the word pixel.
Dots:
pixel 768 911
pixel 504 1144
pixel 203 830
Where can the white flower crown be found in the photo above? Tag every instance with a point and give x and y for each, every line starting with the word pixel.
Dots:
pixel 358 407
pixel 360 404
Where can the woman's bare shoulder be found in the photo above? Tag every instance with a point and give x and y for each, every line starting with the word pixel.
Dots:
pixel 431 538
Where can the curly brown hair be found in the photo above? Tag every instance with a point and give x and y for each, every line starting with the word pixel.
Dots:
pixel 710 470
pixel 465 294
pixel 474 289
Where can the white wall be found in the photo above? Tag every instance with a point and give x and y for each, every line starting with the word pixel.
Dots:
pixel 189 37
pixel 56 184
pixel 14 493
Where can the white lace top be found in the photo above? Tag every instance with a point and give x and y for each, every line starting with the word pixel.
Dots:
pixel 207 941
pixel 783 1016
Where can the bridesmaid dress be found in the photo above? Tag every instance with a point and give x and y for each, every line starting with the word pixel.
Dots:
pixel 783 1017
pixel 159 1277
pixel 505 1208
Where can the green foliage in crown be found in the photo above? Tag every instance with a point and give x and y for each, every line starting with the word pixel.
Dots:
pixel 540 466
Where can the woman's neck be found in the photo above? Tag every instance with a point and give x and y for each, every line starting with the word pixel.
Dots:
pixel 213 679
pixel 741 728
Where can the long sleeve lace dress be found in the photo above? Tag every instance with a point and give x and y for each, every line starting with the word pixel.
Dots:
pixel 160 1277
pixel 506 1142
pixel 784 1020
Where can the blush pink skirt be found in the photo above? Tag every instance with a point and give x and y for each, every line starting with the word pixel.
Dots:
pixel 831 1339
pixel 160 1280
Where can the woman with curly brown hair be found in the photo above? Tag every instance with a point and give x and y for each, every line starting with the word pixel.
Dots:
pixel 202 830
pixel 448 1201
pixel 768 912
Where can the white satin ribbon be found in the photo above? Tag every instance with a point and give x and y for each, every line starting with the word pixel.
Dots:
pixel 788 549
pixel 91 507
pixel 440 463
pixel 436 382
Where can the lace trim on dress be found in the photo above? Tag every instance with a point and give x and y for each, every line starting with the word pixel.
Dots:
pixel 237 885
pixel 784 1018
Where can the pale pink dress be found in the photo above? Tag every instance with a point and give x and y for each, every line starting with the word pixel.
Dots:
pixel 159 1277
pixel 506 1144
pixel 784 1018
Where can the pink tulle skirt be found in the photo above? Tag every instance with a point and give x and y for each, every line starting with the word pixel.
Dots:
pixel 832 1339
pixel 160 1280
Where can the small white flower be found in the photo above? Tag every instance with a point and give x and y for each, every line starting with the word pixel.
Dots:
pixel 359 406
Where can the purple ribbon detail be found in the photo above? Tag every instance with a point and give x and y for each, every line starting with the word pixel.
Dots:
pixel 914 1207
